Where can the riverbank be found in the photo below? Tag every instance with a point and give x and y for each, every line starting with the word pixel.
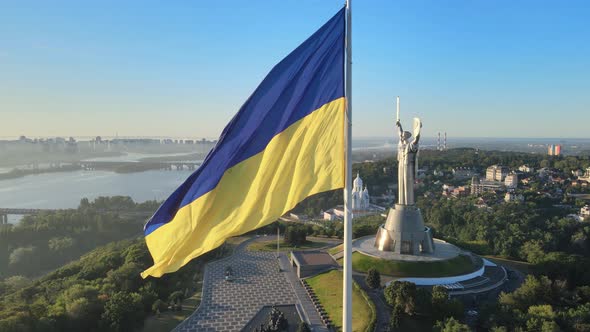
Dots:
pixel 116 167
pixel 65 189
pixel 19 173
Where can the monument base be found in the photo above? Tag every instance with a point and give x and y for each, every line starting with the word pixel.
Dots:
pixel 404 232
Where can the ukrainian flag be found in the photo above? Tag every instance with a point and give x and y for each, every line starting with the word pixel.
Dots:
pixel 285 144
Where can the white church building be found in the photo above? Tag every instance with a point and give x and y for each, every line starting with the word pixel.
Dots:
pixel 360 196
pixel 361 205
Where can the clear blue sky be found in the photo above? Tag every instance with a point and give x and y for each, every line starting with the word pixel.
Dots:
pixel 183 68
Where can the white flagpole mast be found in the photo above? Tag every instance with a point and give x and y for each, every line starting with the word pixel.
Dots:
pixel 347 280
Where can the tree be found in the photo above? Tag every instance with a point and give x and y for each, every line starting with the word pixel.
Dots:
pixel 176 296
pixel 532 251
pixel 533 291
pixel 396 316
pixel 451 325
pixel 24 259
pixel 159 306
pixel 373 278
pixel 403 293
pixel 541 318
pixel 499 329
pixel 295 235
pixel 60 243
pixel 123 312
pixel 423 301
pixel 440 297
pixel 15 283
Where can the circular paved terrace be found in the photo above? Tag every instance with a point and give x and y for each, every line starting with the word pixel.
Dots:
pixel 442 251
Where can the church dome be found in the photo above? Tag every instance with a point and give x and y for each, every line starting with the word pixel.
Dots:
pixel 358 182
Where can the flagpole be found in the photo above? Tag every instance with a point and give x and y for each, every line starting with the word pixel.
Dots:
pixel 347 280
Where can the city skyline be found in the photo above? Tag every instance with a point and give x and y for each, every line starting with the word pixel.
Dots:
pixel 183 70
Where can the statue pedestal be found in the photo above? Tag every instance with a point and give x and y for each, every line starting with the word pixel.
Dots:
pixel 404 232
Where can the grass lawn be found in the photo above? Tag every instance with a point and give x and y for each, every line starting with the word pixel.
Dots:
pixel 336 249
pixel 459 265
pixel 523 267
pixel 272 246
pixel 328 287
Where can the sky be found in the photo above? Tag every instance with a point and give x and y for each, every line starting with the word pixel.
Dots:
pixel 183 68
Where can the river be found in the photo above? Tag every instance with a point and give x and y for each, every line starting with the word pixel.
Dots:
pixel 64 190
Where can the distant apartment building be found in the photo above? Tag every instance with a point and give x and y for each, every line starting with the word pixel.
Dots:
pixel 554 150
pixel 586 176
pixel 513 197
pixel 496 173
pixel 511 181
pixel 450 191
pixel 463 172
pixel 579 183
pixel 481 186
pixel 526 169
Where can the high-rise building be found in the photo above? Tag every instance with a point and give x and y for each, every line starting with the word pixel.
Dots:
pixel 554 150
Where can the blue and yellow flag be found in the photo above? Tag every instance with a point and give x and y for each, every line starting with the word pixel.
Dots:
pixel 285 144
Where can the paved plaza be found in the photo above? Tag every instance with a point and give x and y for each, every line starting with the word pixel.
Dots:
pixel 442 251
pixel 229 305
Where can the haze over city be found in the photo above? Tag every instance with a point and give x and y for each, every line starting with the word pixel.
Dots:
pixel 473 69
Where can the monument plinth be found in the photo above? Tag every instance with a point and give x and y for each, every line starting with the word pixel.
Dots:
pixel 404 231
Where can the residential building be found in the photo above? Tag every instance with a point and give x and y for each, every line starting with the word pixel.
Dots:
pixel 554 150
pixel 463 172
pixel 586 176
pixel 480 186
pixel 526 169
pixel 513 197
pixel 511 181
pixel 496 173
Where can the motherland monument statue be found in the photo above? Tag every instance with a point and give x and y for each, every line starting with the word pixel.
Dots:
pixel 404 231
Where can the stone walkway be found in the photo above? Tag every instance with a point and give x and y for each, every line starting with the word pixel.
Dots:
pixel 308 308
pixel 229 306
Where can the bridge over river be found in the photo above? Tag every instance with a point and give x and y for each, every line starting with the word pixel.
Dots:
pixel 126 166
